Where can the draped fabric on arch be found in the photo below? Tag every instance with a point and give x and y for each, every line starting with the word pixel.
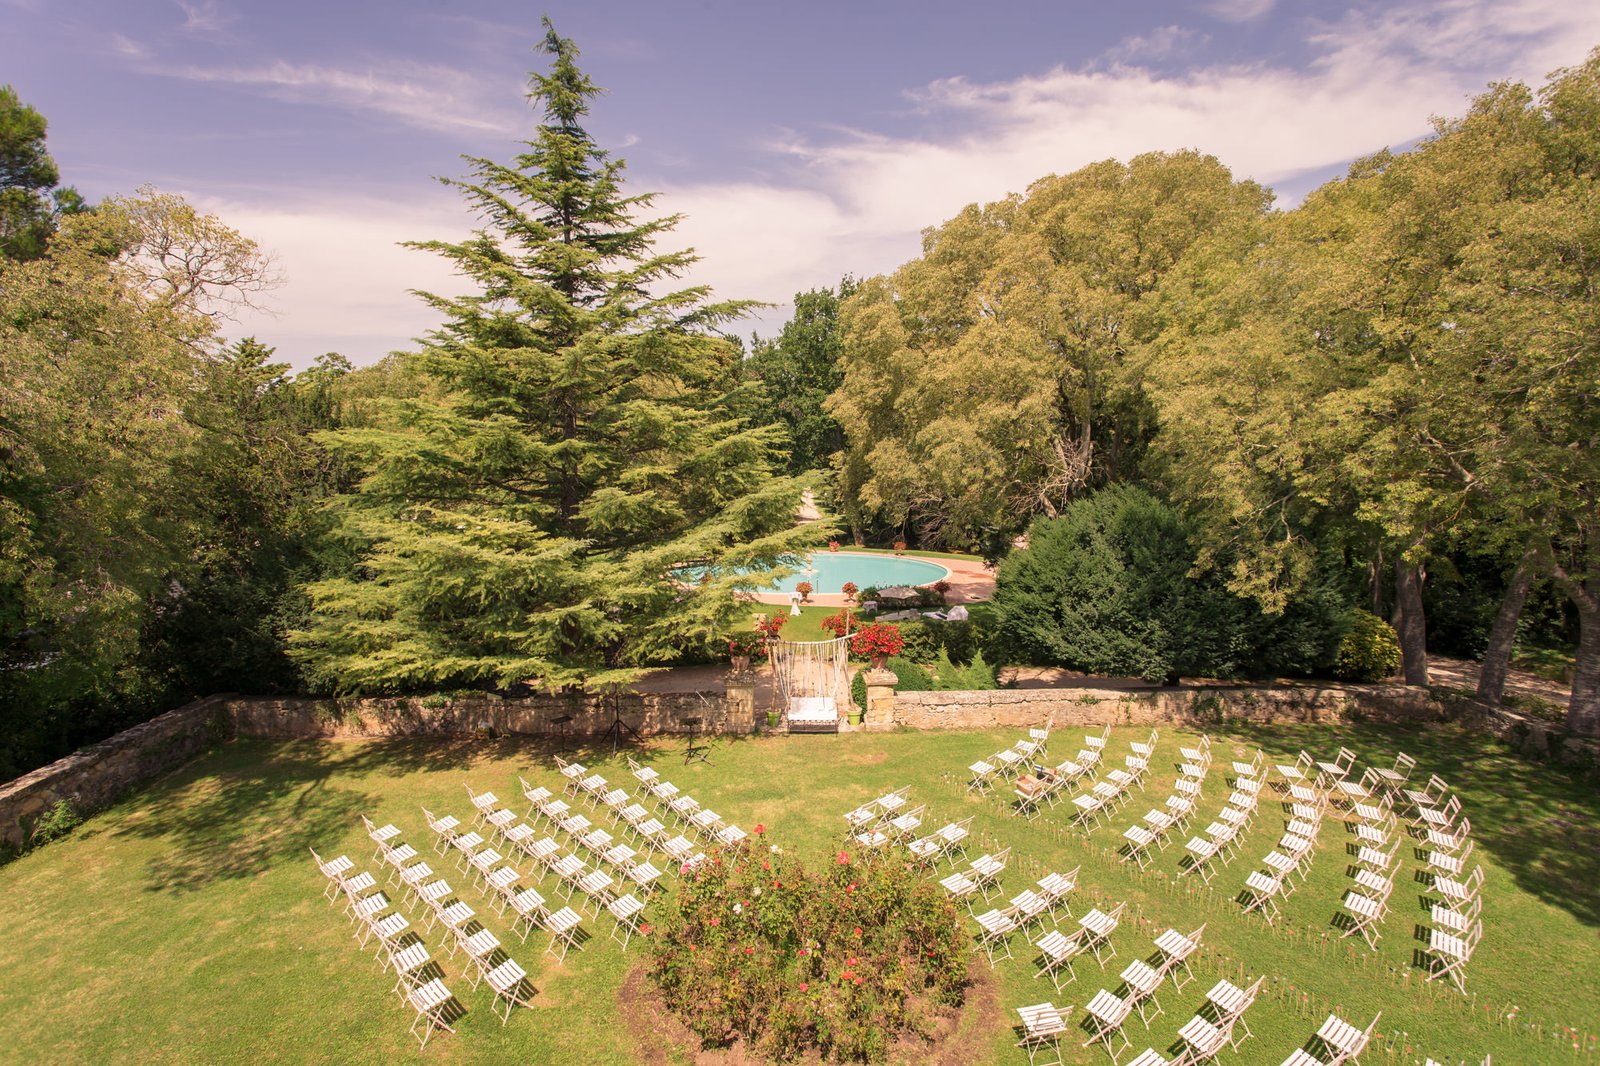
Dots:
pixel 813 681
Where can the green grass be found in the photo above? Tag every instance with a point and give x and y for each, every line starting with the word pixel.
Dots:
pixel 187 924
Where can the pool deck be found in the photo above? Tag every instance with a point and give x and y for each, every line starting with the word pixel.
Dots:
pixel 970 582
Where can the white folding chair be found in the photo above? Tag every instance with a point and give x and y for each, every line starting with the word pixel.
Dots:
pixel 1056 952
pixel 431 1002
pixel 511 988
pixel 1042 1026
pixel 1107 1012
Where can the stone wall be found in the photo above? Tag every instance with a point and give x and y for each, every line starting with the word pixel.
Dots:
pixel 97 776
pixel 1074 707
pixel 1532 736
pixel 647 713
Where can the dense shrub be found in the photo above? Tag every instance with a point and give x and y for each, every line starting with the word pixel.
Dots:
pixel 913 678
pixel 836 962
pixel 953 676
pixel 1107 588
pixel 926 637
pixel 1370 651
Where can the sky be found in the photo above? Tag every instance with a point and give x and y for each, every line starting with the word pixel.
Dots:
pixel 801 141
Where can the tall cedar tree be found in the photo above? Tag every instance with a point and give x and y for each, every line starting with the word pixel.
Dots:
pixel 525 527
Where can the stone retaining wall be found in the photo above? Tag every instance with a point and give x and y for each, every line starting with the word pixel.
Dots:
pixel 1531 736
pixel 648 713
pixel 97 776
pixel 1074 707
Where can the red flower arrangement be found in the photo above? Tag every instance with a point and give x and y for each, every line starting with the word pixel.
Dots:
pixel 833 545
pixel 746 644
pixel 768 625
pixel 804 589
pixel 877 639
pixel 850 588
pixel 841 624
pixel 899 547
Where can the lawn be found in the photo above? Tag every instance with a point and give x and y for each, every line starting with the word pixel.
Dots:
pixel 187 924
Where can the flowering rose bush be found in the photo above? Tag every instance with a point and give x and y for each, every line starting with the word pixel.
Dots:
pixel 838 961
pixel 877 638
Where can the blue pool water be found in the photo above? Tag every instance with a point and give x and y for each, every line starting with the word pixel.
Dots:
pixel 833 569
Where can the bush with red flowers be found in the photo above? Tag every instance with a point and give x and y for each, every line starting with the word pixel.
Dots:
pixel 841 624
pixel 745 644
pixel 837 962
pixel 849 589
pixel 877 638
pixel 769 624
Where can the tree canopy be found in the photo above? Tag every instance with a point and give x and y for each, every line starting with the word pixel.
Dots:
pixel 524 525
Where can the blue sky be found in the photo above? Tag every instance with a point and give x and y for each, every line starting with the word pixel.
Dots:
pixel 802 140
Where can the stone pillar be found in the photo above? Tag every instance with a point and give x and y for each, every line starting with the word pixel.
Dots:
pixel 880 699
pixel 740 689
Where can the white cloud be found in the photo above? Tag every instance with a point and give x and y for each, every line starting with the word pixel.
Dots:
pixel 1239 10
pixel 857 201
pixel 346 278
pixel 427 95
pixel 1163 42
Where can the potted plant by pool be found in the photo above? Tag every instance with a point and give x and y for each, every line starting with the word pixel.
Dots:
pixel 849 590
pixel 741 646
pixel 833 545
pixel 804 589
pixel 899 547
pixel 877 641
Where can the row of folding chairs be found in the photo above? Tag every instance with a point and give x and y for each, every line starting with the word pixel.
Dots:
pixel 610 866
pixel 1045 785
pixel 418 977
pixel 670 801
pixel 628 864
pixel 1009 762
pixel 1043 1024
pixel 1455 925
pixel 1218 1024
pixel 502 882
pixel 1220 839
pixel 949 841
pixel 996 925
pixel 1107 795
pixel 981 877
pixel 1159 823
pixel 1366 903
pixel 1336 1042
pixel 1275 878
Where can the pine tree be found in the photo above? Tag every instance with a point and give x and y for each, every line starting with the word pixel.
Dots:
pixel 526 525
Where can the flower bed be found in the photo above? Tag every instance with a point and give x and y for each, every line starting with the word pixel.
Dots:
pixel 840 961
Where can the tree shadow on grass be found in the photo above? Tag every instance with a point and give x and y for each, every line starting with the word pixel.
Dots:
pixel 1540 822
pixel 239 812
pixel 246 808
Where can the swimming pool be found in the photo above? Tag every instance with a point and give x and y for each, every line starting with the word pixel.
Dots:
pixel 828 571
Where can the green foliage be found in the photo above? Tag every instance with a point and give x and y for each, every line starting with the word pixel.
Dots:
pixel 579 438
pixel 146 475
pixel 991 379
pixel 925 638
pixel 55 823
pixel 1370 651
pixel 31 201
pixel 837 961
pixel 798 370
pixel 1108 588
pixel 974 676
